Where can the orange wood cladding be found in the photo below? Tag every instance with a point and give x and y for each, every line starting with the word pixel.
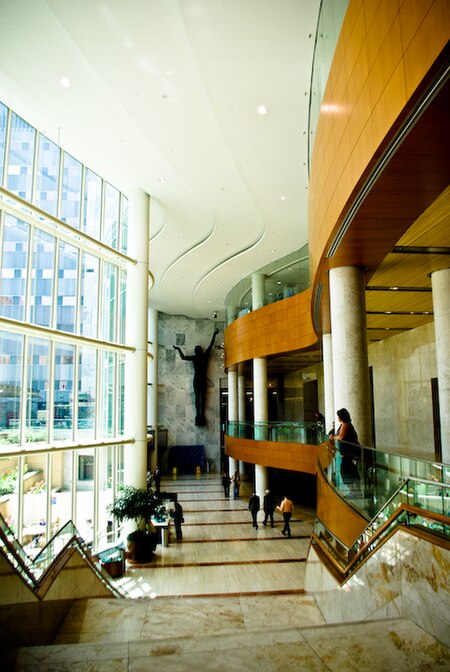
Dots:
pixel 284 326
pixel 342 520
pixel 292 456
pixel 386 54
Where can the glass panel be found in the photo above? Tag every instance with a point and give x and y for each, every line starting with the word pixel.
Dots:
pixel 120 465
pixel 111 216
pixel 42 278
pixel 3 122
pixel 124 225
pixel 63 413
pixel 85 493
pixel 89 295
pixel 92 204
pixel 61 502
pixel 71 191
pixel 21 155
pixel 86 392
pixel 107 361
pixel 109 302
pixel 67 287
pixel 38 377
pixel 14 268
pixel 11 354
pixel 121 394
pixel 9 469
pixel 47 178
pixel 123 306
pixel 35 505
pixel 105 522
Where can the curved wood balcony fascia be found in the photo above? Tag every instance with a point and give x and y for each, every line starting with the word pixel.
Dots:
pixel 292 456
pixel 281 327
pixel 385 59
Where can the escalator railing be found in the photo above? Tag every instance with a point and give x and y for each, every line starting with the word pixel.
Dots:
pixel 40 571
pixel 390 491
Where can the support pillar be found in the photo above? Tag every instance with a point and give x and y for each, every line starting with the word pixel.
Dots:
pixel 329 410
pixel 232 411
pixel 349 348
pixel 440 283
pixel 261 414
pixel 135 455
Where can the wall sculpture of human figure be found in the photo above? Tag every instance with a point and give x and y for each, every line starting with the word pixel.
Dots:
pixel 200 361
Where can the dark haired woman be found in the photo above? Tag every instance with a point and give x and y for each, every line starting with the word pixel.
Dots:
pixel 348 447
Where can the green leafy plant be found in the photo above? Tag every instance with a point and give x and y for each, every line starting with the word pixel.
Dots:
pixel 135 504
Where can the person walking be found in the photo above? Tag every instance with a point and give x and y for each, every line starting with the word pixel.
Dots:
pixel 254 507
pixel 286 507
pixel 236 484
pixel 157 479
pixel 269 507
pixel 226 480
pixel 178 519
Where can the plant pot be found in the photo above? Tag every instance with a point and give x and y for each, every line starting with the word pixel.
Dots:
pixel 140 547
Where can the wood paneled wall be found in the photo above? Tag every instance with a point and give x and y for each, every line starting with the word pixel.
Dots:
pixel 284 326
pixel 385 52
pixel 340 518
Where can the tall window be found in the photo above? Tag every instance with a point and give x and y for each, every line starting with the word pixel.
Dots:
pixel 47 176
pixel 111 216
pixel 11 358
pixel 14 268
pixel 38 371
pixel 21 156
pixel 72 175
pixel 63 391
pixel 92 204
pixel 87 376
pixel 67 287
pixel 42 274
pixel 89 295
pixel 3 122
pixel 109 293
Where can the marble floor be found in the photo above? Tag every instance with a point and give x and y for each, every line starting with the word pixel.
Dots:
pixel 227 597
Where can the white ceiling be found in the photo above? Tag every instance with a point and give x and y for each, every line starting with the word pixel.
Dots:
pixel 163 97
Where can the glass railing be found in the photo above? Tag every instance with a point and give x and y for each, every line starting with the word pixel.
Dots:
pixel 417 504
pixel 369 478
pixel 288 432
pixel 283 278
pixel 34 570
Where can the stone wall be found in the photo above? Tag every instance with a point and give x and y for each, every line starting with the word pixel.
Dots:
pixel 176 400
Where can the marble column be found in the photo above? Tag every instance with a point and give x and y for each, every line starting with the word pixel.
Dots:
pixel 349 348
pixel 232 412
pixel 135 457
pixel 261 414
pixel 440 283
pixel 152 396
pixel 258 290
pixel 330 410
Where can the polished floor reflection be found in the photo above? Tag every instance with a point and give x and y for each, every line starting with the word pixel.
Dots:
pixel 227 597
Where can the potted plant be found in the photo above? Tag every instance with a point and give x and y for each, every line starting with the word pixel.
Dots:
pixel 138 505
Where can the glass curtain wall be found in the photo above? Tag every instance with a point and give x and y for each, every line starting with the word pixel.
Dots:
pixel 61 364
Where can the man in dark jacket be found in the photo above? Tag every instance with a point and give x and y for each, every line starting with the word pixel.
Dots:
pixel 254 506
pixel 269 507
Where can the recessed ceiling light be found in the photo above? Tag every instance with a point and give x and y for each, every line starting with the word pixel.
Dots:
pixel 283 198
pixel 162 179
pixel 65 82
pixel 262 109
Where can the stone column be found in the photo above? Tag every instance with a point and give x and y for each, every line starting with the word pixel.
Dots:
pixel 258 290
pixel 261 414
pixel 349 348
pixel 440 283
pixel 330 410
pixel 152 396
pixel 232 411
pixel 135 462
